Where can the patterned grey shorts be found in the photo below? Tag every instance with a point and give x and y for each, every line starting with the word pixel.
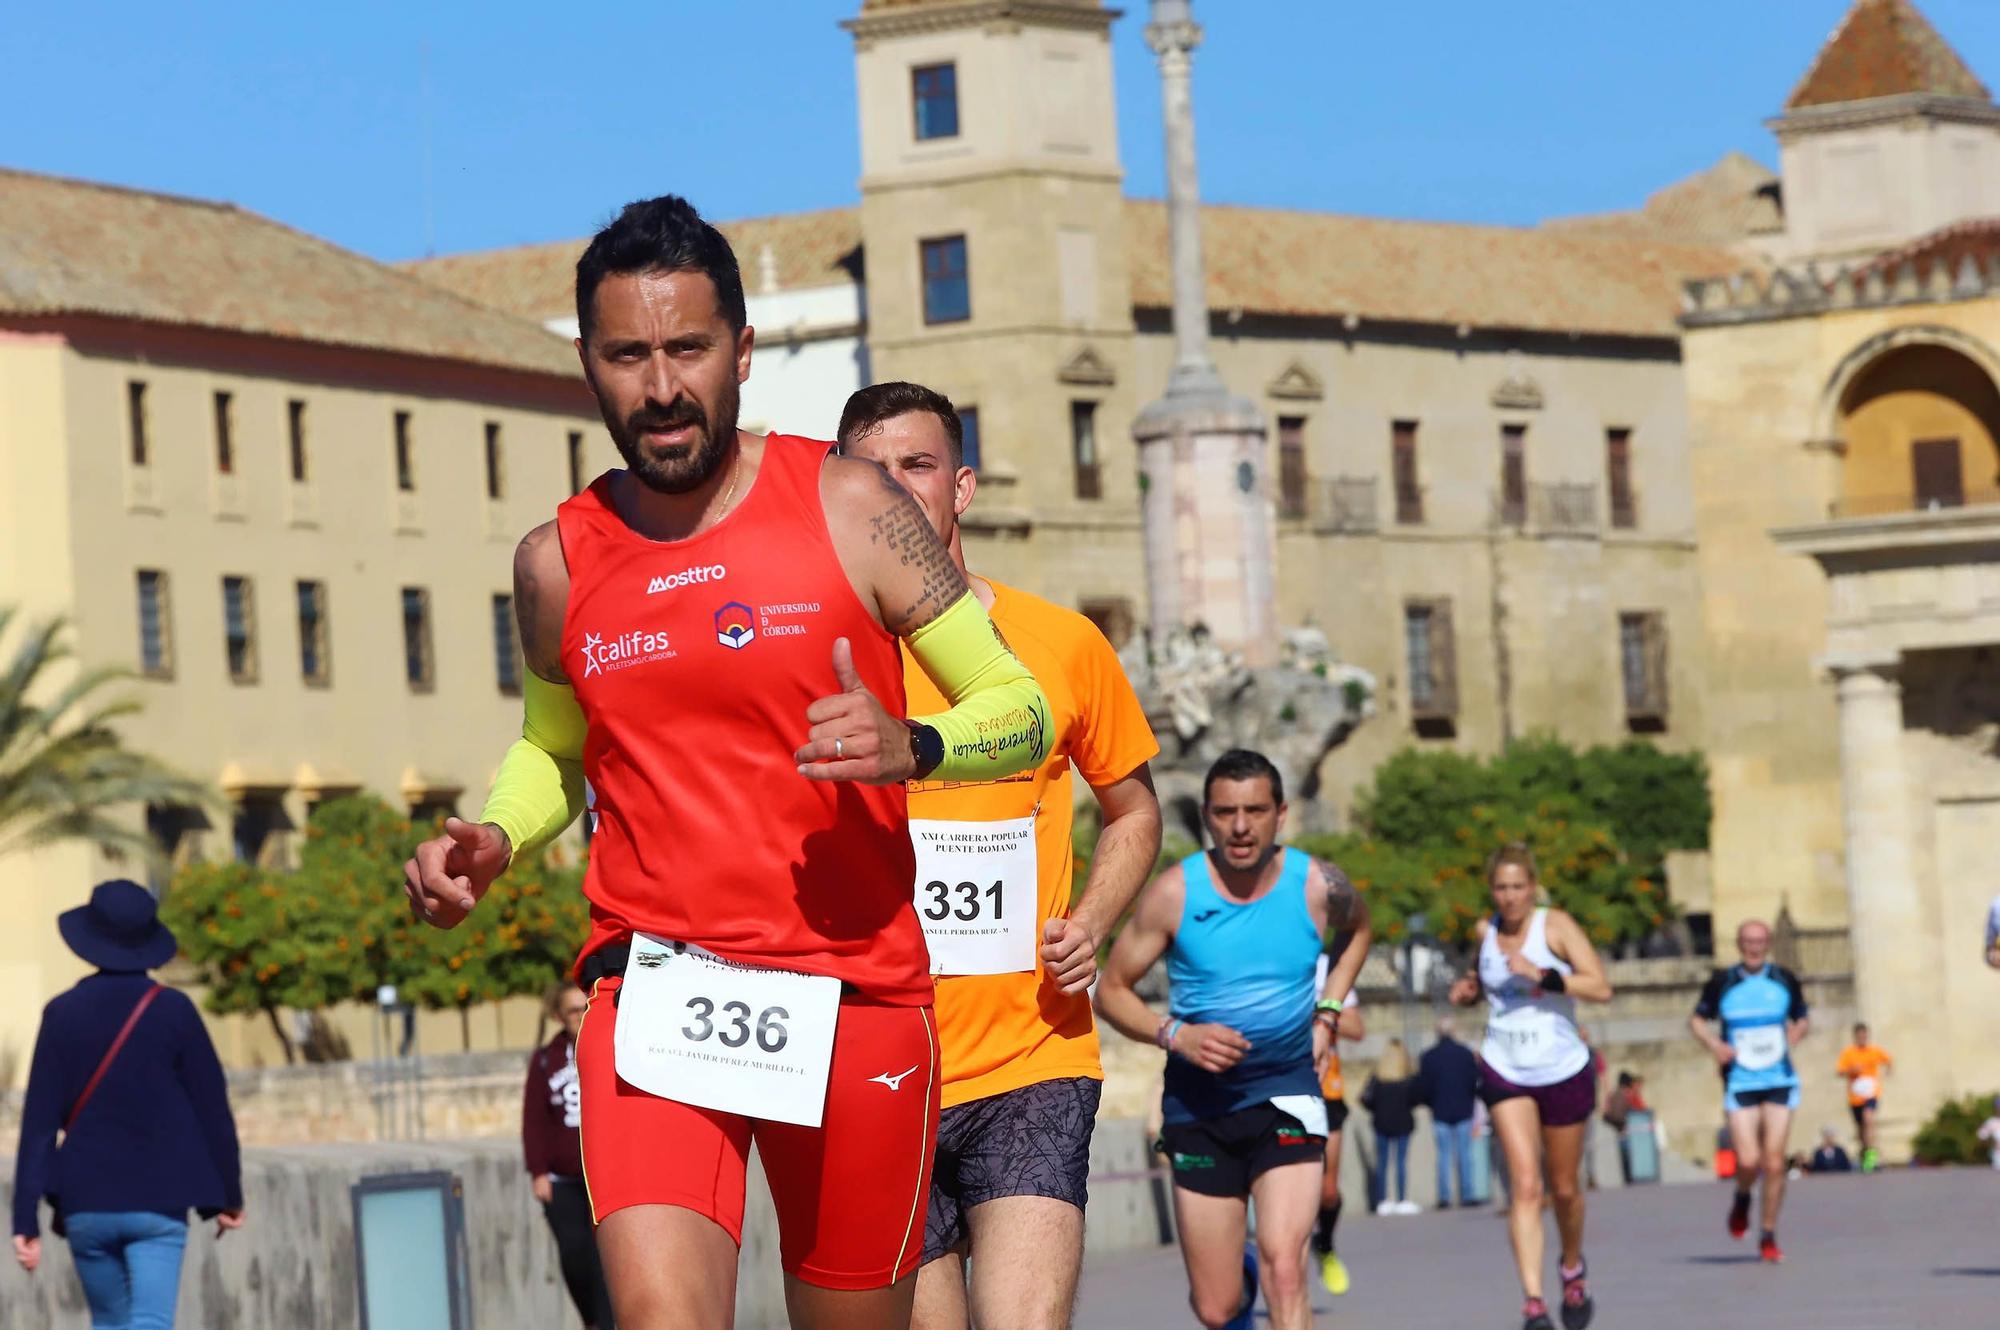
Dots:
pixel 1034 1141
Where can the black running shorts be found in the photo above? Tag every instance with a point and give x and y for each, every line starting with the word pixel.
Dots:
pixel 1034 1141
pixel 1223 1156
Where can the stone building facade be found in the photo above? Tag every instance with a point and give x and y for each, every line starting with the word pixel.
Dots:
pixel 1477 457
pixel 282 485
pixel 1845 431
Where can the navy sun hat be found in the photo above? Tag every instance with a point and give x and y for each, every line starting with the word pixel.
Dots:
pixel 120 929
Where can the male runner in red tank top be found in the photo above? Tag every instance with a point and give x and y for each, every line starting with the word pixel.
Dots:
pixel 712 642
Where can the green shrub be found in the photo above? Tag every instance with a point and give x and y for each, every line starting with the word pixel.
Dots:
pixel 1952 1134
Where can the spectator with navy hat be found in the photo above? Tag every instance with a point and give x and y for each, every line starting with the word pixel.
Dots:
pixel 126 1124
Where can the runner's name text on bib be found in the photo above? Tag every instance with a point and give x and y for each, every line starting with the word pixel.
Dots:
pixel 976 894
pixel 701 1030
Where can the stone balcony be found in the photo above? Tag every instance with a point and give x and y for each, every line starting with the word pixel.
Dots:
pixel 1902 578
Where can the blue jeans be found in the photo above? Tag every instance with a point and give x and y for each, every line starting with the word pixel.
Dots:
pixel 1392 1152
pixel 1454 1143
pixel 130 1265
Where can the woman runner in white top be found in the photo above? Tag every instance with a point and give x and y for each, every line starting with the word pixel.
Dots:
pixel 1535 1075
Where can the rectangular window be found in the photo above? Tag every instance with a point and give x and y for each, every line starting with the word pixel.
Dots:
pixel 968 419
pixel 1642 660
pixel 173 828
pixel 314 665
pixel 496 478
pixel 1291 466
pixel 576 461
pixel 1083 449
pixel 406 462
pixel 947 286
pixel 156 640
pixel 295 428
pixel 1432 659
pixel 1513 474
pixel 239 628
pixel 506 646
pixel 1618 478
pixel 417 664
pixel 1937 474
pixel 934 90
pixel 225 439
pixel 135 416
pixel 1403 466
pixel 258 830
pixel 1113 617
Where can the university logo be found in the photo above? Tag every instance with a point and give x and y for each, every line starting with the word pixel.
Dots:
pixel 713 572
pixel 735 626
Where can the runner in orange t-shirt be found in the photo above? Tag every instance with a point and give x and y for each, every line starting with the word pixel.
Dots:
pixel 1021 1073
pixel 1864 1065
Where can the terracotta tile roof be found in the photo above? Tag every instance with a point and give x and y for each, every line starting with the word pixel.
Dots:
pixel 787 252
pixel 73 247
pixel 1881 49
pixel 1321 264
pixel 1978 240
pixel 1259 260
pixel 1723 205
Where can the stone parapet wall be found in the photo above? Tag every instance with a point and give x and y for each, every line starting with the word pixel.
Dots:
pixel 292 1266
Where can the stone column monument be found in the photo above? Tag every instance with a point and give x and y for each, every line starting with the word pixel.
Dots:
pixel 1210 551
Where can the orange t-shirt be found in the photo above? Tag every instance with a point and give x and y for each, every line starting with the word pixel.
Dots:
pixel 999 1032
pixel 1862 1065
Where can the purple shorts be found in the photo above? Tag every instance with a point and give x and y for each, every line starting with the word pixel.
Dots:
pixel 1563 1104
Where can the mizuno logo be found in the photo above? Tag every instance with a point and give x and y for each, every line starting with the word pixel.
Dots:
pixel 893 1082
pixel 1203 916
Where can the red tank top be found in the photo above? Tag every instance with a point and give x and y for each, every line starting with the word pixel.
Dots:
pixel 694 662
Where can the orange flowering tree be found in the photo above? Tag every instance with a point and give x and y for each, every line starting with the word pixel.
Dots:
pixel 337 927
pixel 1599 823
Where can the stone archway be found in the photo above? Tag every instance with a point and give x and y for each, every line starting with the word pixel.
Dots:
pixel 1917 411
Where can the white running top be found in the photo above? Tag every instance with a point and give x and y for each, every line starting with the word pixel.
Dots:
pixel 1531 1036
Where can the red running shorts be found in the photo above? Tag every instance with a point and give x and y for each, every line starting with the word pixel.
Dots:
pixel 849 1193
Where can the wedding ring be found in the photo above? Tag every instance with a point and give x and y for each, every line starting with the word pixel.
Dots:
pixel 838 747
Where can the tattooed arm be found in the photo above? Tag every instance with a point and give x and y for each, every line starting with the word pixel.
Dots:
pixel 998 723
pixel 898 566
pixel 1337 907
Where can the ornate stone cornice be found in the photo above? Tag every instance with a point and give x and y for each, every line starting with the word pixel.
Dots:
pixel 948 15
pixel 1789 293
pixel 1884 110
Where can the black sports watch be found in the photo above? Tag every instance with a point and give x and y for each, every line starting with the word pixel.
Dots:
pixel 926 748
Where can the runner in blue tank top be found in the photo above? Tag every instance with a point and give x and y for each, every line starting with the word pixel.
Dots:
pixel 1242 927
pixel 1759 1012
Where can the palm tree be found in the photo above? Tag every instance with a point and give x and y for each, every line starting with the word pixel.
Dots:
pixel 64 771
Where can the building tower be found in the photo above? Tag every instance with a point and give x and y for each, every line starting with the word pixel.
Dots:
pixel 994 236
pixel 1887 137
pixel 1207 506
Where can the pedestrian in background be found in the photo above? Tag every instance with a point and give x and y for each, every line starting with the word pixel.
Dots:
pixel 1626 1098
pixel 1829 1158
pixel 1447 1084
pixel 124 1074
pixel 1391 1100
pixel 552 1144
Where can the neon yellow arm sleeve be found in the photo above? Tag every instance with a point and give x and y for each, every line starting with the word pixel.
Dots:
pixel 999 720
pixel 538 791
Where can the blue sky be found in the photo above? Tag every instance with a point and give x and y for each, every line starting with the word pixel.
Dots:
pixel 543 118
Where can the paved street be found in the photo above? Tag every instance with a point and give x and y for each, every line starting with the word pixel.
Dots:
pixel 1895 1250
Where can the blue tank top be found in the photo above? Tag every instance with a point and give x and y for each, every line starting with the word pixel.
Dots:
pixel 1250 967
pixel 1753 1009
